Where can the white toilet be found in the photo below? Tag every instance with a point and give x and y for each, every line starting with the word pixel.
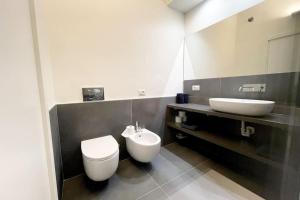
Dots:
pixel 100 157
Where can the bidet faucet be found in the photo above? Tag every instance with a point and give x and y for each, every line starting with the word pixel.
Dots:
pixel 137 128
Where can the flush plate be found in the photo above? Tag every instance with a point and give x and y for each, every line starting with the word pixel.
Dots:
pixel 93 94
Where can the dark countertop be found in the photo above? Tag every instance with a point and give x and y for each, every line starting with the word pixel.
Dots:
pixel 273 119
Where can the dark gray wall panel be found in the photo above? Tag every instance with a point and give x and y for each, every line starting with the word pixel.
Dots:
pixel 151 113
pixel 89 120
pixel 297 85
pixel 209 88
pixel 83 121
pixel 280 88
pixel 56 150
pixel 230 87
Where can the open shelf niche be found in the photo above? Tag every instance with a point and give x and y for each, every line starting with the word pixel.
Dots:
pixel 223 130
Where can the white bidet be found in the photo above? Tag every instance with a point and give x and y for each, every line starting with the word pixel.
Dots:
pixel 143 145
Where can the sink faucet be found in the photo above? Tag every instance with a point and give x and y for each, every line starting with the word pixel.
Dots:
pixel 253 88
pixel 246 88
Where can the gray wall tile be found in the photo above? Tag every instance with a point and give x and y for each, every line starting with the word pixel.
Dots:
pixel 230 87
pixel 84 121
pixel 199 100
pixel 90 120
pixel 151 113
pixel 208 87
pixel 56 150
pixel 297 85
pixel 281 88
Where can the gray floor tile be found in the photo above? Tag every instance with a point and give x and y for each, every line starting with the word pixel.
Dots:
pixel 203 183
pixel 181 173
pixel 188 155
pixel 157 194
pixel 163 170
pixel 185 179
pixel 129 182
pixel 172 161
pixel 248 181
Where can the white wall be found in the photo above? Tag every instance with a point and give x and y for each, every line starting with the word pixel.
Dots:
pixel 122 45
pixel 23 170
pixel 43 53
pixel 212 11
pixel 45 83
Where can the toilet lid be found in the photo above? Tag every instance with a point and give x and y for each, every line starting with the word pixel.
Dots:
pixel 101 148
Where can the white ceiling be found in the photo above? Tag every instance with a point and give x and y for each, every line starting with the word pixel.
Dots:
pixel 183 5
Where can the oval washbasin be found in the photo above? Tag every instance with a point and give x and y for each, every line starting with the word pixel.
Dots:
pixel 248 107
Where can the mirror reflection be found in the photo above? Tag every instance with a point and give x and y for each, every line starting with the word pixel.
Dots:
pixel 261 40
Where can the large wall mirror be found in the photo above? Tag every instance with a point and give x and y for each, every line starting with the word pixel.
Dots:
pixel 261 40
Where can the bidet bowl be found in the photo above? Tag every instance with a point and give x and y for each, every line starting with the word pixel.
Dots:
pixel 143 146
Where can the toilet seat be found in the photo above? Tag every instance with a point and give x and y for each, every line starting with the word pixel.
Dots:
pixel 100 149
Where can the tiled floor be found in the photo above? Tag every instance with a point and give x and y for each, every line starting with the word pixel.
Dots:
pixel 177 173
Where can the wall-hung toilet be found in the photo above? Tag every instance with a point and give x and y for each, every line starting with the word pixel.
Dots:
pixel 100 157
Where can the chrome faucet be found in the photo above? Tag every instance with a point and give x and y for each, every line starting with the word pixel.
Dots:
pixel 253 88
pixel 137 128
pixel 245 88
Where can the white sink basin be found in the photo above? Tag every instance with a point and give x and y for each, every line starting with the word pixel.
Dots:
pixel 242 106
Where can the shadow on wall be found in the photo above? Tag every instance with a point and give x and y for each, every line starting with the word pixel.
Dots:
pixel 56 150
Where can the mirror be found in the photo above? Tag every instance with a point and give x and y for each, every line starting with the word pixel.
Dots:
pixel 261 40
